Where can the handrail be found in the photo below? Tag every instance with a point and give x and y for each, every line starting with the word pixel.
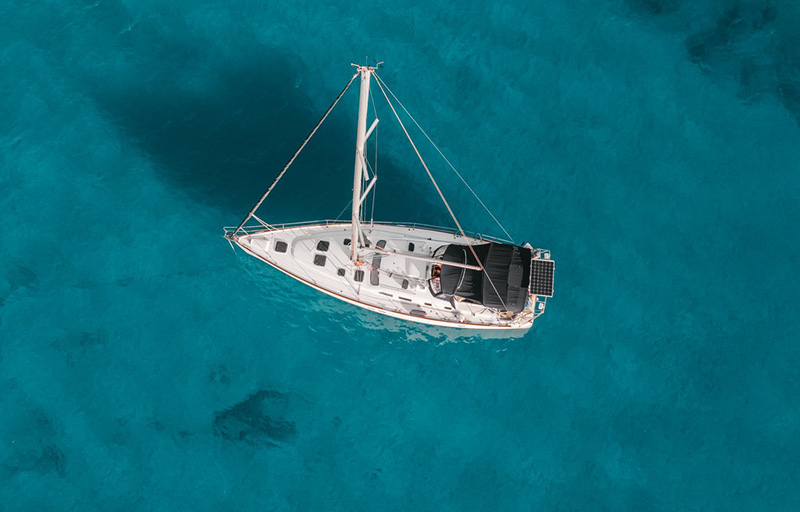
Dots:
pixel 229 230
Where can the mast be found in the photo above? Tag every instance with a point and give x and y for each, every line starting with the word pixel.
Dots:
pixel 361 136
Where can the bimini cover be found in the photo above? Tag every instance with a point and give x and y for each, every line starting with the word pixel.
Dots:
pixel 504 282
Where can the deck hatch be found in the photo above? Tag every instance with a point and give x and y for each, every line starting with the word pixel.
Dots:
pixel 323 245
pixel 319 260
pixel 374 276
pixel 281 246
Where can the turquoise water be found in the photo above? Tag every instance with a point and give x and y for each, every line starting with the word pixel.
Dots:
pixel 652 145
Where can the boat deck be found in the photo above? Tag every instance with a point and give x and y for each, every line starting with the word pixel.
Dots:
pixel 392 284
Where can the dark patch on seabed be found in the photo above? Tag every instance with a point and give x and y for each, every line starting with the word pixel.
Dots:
pixel 46 459
pixel 33 447
pixel 258 420
pixel 655 7
pixel 757 43
pixel 21 277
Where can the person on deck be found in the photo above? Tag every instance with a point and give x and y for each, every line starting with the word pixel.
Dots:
pixel 436 283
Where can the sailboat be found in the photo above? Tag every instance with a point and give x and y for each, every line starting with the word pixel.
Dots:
pixel 430 275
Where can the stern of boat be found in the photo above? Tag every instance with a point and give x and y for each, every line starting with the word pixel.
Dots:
pixel 541 280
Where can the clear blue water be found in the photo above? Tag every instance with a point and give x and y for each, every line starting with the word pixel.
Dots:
pixel 652 145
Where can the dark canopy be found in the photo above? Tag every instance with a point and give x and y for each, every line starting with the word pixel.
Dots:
pixel 504 282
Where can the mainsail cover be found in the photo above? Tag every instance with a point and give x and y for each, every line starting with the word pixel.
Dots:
pixel 503 283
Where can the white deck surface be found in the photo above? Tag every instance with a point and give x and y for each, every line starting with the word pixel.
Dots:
pixel 380 290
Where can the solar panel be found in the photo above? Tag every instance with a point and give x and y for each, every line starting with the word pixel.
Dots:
pixel 542 277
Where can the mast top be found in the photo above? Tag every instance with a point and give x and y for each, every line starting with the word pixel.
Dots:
pixel 367 67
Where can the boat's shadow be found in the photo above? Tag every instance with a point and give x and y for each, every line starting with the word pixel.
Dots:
pixel 221 131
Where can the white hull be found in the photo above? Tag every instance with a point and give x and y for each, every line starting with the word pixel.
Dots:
pixel 390 284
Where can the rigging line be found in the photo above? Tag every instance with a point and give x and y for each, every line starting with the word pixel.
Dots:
pixel 510 238
pixel 343 210
pixel 362 207
pixel 374 171
pixel 372 212
pixel 458 224
pixel 424 165
pixel 375 179
pixel 296 153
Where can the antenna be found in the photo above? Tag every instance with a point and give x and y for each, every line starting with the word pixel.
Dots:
pixel 378 64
